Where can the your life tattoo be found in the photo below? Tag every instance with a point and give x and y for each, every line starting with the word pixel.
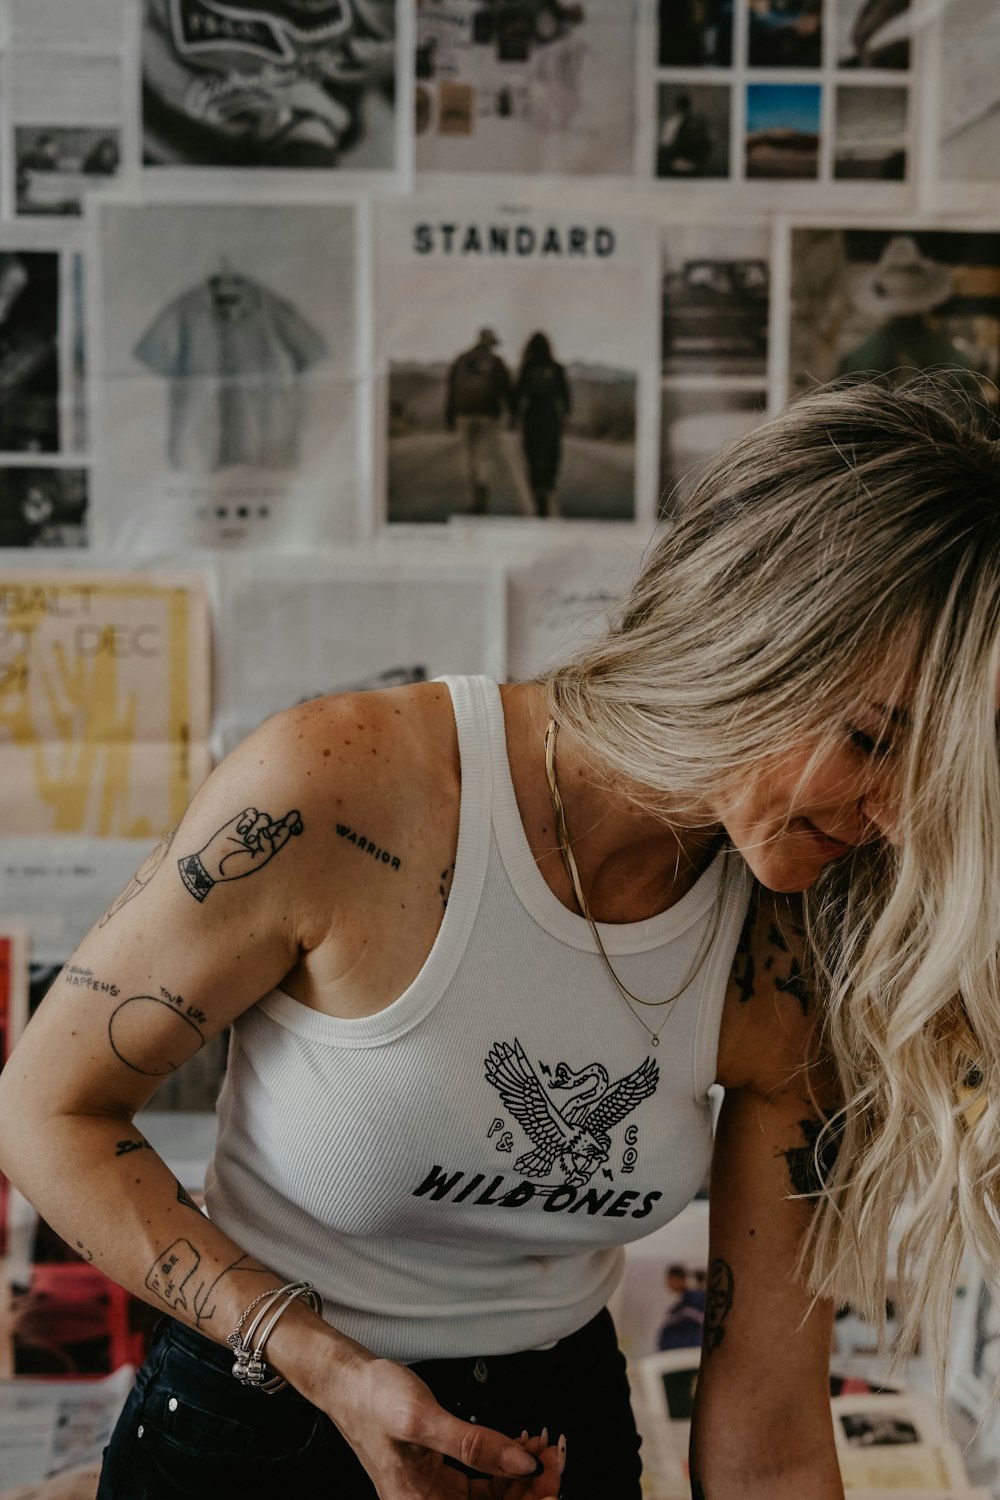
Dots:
pixel 245 844
pixel 718 1304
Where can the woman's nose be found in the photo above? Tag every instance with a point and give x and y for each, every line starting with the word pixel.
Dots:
pixel 880 807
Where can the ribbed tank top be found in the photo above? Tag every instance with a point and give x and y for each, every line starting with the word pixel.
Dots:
pixel 458 1173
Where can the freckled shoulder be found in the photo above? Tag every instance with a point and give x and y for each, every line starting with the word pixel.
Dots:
pixel 766 1042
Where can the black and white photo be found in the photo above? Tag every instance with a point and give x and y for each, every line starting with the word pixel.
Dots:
pixel 511 343
pixel 43 507
pixel 871 134
pixel 269 84
pixel 716 298
pixel 873 33
pixel 692 131
pixel 31 384
pixel 696 424
pixel 55 166
pixel 695 33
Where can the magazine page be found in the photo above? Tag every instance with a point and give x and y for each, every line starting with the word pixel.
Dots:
pixel 558 601
pixel 227 377
pixel 891 1442
pixel 279 88
pixel 771 104
pixel 357 625
pixel 65 111
pixel 104 701
pixel 905 297
pixel 515 345
pixel 48 1427
pixel 537 88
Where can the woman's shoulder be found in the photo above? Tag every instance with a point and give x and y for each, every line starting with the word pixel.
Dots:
pixel 766 1042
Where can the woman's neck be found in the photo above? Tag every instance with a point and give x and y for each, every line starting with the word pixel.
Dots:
pixel 632 863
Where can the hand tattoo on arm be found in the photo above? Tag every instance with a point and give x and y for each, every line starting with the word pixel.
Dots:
pixel 245 844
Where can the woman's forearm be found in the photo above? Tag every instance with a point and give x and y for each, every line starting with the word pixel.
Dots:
pixel 817 1477
pixel 104 1189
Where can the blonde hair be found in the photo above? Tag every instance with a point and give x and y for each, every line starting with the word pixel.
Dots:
pixel 860 526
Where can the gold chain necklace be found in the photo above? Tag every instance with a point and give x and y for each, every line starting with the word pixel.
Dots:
pixel 562 832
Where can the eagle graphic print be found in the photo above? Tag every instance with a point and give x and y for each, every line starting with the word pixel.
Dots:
pixel 569 1118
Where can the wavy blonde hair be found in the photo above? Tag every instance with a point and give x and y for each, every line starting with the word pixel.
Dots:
pixel 860 526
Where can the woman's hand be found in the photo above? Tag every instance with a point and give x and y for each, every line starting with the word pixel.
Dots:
pixel 402 1437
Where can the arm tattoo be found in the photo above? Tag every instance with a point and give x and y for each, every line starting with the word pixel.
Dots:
pixel 183 1196
pixel 245 844
pixel 811 1165
pixel 174 1278
pixel 368 846
pixel 130 1021
pixel 124 1147
pixel 719 1303
pixel 142 876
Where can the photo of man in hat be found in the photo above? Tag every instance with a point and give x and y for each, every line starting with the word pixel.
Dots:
pixel 478 407
pixel 902 290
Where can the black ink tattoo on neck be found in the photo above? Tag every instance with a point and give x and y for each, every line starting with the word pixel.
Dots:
pixel 240 847
pixel 718 1304
pixel 795 984
pixel 87 979
pixel 367 846
pixel 138 1017
pixel 444 885
pixel 142 876
pixel 811 1165
pixel 124 1147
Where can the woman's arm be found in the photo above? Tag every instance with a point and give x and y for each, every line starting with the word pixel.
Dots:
pixel 762 1426
pixel 211 924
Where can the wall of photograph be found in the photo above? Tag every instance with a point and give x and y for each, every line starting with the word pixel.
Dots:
pixel 353 342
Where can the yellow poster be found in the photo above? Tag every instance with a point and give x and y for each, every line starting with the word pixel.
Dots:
pixel 104 701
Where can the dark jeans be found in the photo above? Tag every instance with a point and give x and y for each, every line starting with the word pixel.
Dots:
pixel 189 1429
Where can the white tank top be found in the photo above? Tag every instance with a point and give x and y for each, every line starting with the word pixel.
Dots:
pixel 458 1173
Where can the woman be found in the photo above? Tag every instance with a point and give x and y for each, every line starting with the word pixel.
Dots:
pixel 451 1096
pixel 541 403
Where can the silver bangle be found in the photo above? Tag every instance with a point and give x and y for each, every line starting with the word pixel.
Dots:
pixel 249 1367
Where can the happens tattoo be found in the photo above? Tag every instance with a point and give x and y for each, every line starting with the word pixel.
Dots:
pixel 131 1023
pixel 87 979
pixel 245 844
pixel 718 1303
pixel 142 876
pixel 811 1165
pixel 368 846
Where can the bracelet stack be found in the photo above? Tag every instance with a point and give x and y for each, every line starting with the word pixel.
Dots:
pixel 250 1368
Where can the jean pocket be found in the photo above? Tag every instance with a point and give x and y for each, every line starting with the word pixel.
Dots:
pixel 195 1429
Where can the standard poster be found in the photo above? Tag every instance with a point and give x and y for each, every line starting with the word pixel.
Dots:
pixel 355 625
pixel 515 344
pixel 270 84
pixel 543 87
pixel 104 702
pixel 228 376
pixel 883 300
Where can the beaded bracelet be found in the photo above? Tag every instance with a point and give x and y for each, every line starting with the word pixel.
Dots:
pixel 250 1368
